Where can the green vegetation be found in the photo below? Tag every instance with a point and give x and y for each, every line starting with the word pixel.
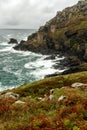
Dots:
pixel 36 114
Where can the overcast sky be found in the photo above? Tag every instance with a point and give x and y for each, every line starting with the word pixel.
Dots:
pixel 29 13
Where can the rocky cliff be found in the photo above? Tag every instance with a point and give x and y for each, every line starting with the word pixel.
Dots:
pixel 66 33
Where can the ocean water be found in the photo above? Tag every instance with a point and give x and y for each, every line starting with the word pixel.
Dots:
pixel 19 67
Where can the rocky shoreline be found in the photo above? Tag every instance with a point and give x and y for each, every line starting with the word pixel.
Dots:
pixel 65 34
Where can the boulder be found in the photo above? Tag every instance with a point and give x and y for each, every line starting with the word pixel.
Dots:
pixel 51 97
pixel 19 102
pixel 13 41
pixel 10 95
pixel 78 85
pixel 61 98
pixel 45 98
pixel 51 91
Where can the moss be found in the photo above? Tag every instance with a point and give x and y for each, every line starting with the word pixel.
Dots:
pixel 83 66
pixel 58 93
pixel 68 43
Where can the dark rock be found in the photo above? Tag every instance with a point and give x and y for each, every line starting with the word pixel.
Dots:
pixel 72 61
pixel 51 75
pixel 22 41
pixel 21 46
pixel 70 33
pixel 71 70
pixel 13 41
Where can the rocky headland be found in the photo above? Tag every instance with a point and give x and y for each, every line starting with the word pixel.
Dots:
pixel 64 34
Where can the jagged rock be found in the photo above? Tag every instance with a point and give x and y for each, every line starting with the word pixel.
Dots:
pixel 61 98
pixel 10 95
pixel 13 41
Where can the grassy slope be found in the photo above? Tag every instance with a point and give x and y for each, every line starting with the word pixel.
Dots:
pixel 70 114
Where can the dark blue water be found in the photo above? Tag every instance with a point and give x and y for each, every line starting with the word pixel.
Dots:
pixel 18 67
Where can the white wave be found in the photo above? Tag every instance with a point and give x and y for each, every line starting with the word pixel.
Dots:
pixel 42 68
pixel 18 73
pixel 43 72
pixel 60 58
pixel 4 43
pixel 39 63
pixel 6 49
pixel 25 53
pixel 9 35
pixel 7 69
pixel 7 88
pixel 25 38
pixel 21 53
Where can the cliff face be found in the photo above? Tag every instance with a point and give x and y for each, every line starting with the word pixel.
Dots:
pixel 66 32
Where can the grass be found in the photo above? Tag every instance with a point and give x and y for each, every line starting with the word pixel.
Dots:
pixel 41 87
pixel 70 114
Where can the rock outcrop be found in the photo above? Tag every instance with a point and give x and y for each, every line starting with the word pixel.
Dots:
pixel 10 95
pixel 66 33
pixel 13 41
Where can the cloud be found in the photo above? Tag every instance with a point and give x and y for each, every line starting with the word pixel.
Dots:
pixel 29 13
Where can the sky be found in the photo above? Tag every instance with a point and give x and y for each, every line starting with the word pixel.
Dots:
pixel 30 14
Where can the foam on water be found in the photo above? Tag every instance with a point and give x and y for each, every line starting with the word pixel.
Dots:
pixel 6 49
pixel 4 44
pixel 43 67
pixel 19 67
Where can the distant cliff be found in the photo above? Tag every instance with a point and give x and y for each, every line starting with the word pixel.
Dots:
pixel 66 33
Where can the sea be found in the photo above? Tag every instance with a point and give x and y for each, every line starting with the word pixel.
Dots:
pixel 21 67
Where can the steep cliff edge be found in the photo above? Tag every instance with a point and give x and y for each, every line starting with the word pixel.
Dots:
pixel 66 33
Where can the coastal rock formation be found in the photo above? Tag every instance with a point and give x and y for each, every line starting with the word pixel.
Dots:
pixel 66 33
pixel 13 41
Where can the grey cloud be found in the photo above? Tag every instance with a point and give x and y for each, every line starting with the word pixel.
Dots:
pixel 48 10
pixel 29 13
pixel 13 23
